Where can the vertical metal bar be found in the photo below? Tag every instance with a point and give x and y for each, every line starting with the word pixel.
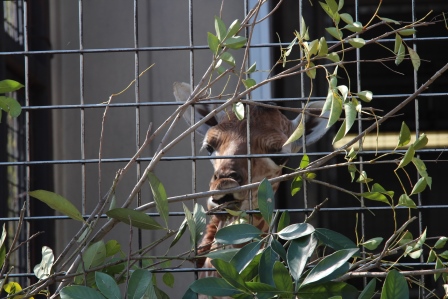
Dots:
pixel 361 159
pixel 417 132
pixel 81 110
pixel 137 112
pixel 27 132
pixel 192 83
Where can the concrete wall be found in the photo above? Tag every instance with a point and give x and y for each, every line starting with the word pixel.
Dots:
pixel 108 24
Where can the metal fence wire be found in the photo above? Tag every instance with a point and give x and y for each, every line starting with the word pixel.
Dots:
pixel 72 55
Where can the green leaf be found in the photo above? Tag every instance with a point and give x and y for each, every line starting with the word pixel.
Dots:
pixel 440 242
pixel 431 257
pixel 94 256
pixel 406 201
pixel 179 233
pixel 335 32
pixel 266 266
pixel 266 200
pixel 363 178
pixel 421 142
pixel 245 255
pixel 282 279
pixel 2 248
pixel 333 239
pixel 335 111
pixel 199 218
pixel 238 109
pixel 233 28
pixel 9 86
pixel 343 89
pixel 365 95
pixel 250 271
pixel 373 243
pixel 107 286
pixel 229 273
pixel 334 57
pixel 419 186
pixel 303 29
pixel 352 170
pixel 323 47
pixel 112 248
pixel 168 279
pixel 330 267
pixel 263 290
pixel 444 255
pixel 135 218
pixel 278 248
pixel 347 18
pixel 395 286
pixel 138 283
pixel 237 234
pixel 212 286
pixel 376 196
pixel 296 185
pixel 295 231
pixel 405 135
pixel 57 203
pixel 311 72
pixel 80 292
pixel 227 57
pixel 252 68
pixel 407 158
pixel 249 83
pixel 159 194
pixel 350 115
pixel 415 59
pixel 387 20
pixel 400 54
pixel 235 42
pixel 416 254
pixel 191 226
pixel 439 265
pixel 341 132
pixel 298 253
pixel 223 254
pixel 354 27
pixel 369 291
pixel 328 290
pixel 284 221
pixel 220 28
pixel 213 43
pixel 398 42
pixel 407 32
pixel 10 105
pixel 298 132
pixel 357 42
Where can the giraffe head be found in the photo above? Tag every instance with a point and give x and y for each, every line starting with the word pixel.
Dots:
pixel 226 136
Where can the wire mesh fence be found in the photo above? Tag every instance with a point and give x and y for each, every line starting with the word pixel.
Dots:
pixel 73 55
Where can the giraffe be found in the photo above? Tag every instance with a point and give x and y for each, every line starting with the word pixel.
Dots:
pixel 225 135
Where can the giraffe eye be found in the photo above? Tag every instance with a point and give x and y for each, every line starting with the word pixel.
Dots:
pixel 280 160
pixel 209 149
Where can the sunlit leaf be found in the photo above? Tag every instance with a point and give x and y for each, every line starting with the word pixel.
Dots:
pixel 395 286
pixel 235 42
pixel 335 111
pixel 43 269
pixel 248 83
pixel 354 27
pixel 405 135
pixel 311 72
pixel 400 54
pixel 9 86
pixel 406 201
pixel 135 218
pixel 295 231
pixel 347 18
pixel 419 186
pixel 398 42
pixel 227 57
pixel 415 59
pixel 365 95
pixel 357 42
pixel 387 20
pixel 199 218
pixel 333 57
pixel 335 32
pixel 421 142
pixel 350 115
pixel 333 239
pixel 330 267
pixel 299 251
pixel 194 238
pixel 407 32
pixel 431 257
pixel 160 197
pixel 245 255
pixel 298 132
pixel 440 242
pixel 213 43
pixel 377 196
pixel 341 132
pixel 179 233
pixel 296 185
pixel 303 29
pixel 57 203
pixel 233 28
pixel 407 158
pixel 220 28
pixel 363 178
pixel 237 234
pixel 10 105
pixel 238 109
pixel 323 47
pixel 252 68
pixel 373 243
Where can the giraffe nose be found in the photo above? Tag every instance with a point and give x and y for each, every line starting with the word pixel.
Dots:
pixel 228 175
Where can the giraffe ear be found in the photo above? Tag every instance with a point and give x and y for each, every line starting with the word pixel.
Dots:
pixel 315 125
pixel 182 92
